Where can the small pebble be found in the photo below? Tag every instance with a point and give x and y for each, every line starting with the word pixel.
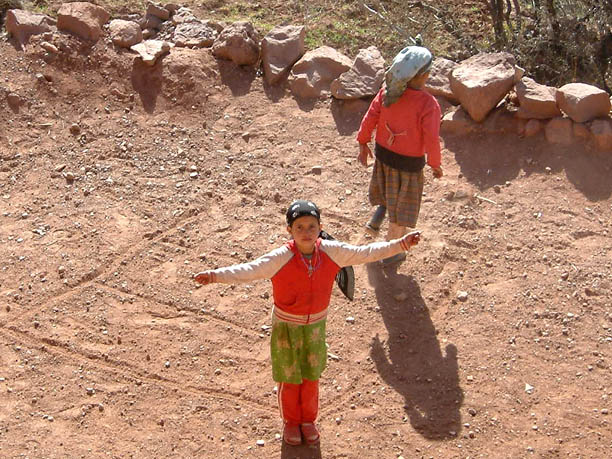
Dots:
pixel 402 296
pixel 462 296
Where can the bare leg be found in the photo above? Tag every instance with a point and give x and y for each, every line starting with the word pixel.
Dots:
pixel 395 232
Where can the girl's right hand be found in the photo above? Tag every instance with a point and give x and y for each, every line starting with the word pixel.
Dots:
pixel 437 172
pixel 204 278
pixel 364 153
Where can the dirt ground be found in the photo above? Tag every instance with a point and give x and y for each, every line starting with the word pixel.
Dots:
pixel 118 183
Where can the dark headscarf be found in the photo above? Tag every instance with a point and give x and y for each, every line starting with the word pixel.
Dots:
pixel 300 208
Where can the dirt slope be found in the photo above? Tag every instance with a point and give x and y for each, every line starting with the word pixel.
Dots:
pixel 108 349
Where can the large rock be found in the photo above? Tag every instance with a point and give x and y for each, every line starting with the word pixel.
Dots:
pixel 150 50
pixel 83 19
pixel 457 122
pixel 438 82
pixel 312 75
pixel 602 134
pixel 238 42
pixel 158 11
pixel 536 101
pixel 583 102
pixel 363 79
pixel 559 130
pixel 194 35
pixel 125 33
pixel 23 24
pixel 280 49
pixel 482 81
pixel 532 127
pixel 501 120
pixel 150 22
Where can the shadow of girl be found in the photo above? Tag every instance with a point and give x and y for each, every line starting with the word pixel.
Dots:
pixel 301 452
pixel 414 364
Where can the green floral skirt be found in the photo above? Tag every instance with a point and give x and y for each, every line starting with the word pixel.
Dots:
pixel 298 351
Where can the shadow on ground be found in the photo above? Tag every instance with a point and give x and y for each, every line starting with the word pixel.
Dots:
pixel 147 82
pixel 487 160
pixel 237 78
pixel 412 362
pixel 348 114
pixel 301 452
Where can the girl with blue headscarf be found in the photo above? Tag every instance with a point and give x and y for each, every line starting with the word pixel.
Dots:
pixel 407 123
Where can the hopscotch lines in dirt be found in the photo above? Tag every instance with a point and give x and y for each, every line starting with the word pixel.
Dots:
pixel 92 275
pixel 145 334
pixel 67 356
pixel 97 394
pixel 123 326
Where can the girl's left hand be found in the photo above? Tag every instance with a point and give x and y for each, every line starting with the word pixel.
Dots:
pixel 412 238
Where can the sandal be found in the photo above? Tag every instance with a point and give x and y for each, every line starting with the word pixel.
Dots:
pixel 292 435
pixel 311 433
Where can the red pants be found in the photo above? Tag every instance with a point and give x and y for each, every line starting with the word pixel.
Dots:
pixel 299 403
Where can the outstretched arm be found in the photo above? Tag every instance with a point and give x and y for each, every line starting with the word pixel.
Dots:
pixel 263 267
pixel 345 254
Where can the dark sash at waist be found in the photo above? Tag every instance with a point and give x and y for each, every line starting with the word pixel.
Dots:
pixel 400 162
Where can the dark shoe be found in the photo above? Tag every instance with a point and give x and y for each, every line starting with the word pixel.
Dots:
pixel 292 434
pixel 394 260
pixel 376 220
pixel 311 433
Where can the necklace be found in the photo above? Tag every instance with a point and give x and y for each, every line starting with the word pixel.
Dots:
pixel 310 267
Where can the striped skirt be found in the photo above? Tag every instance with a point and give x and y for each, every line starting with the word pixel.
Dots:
pixel 399 191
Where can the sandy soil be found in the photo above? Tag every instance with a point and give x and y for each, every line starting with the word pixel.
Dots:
pixel 118 183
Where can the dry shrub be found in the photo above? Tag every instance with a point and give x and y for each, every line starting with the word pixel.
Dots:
pixel 6 5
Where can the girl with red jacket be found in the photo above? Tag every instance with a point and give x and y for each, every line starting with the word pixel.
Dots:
pixel 302 272
pixel 407 123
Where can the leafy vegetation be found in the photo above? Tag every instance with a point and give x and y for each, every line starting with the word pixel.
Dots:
pixel 558 41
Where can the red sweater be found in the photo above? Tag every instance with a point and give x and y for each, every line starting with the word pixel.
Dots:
pixel 414 121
